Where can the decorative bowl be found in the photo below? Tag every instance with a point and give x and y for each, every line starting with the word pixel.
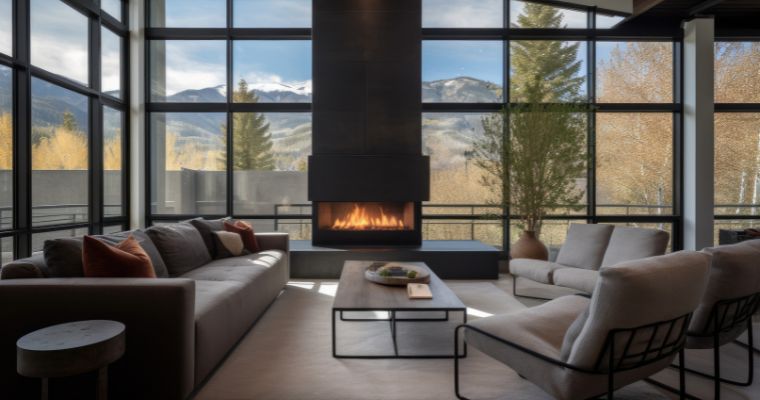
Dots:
pixel 396 273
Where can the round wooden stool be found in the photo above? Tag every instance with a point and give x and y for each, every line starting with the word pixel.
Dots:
pixel 71 349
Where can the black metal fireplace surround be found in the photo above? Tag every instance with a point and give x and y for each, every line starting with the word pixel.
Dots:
pixel 367 174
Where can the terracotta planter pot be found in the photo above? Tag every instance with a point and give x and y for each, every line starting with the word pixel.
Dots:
pixel 528 246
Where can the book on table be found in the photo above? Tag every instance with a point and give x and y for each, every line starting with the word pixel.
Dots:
pixel 419 291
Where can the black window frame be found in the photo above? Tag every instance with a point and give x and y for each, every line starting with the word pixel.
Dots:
pixel 23 72
pixel 591 36
pixel 230 34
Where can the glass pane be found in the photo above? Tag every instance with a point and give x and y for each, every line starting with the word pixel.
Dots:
pixel 553 233
pixel 38 239
pixel 188 71
pixel 634 72
pixel 456 175
pixel 462 71
pixel 60 158
pixel 733 225
pixel 462 14
pixel 112 229
pixel 188 13
pixel 113 140
pixel 272 14
pixel 6 148
pixel 112 7
pixel 487 231
pixel 270 153
pixel 59 39
pixel 634 163
pixel 737 67
pixel 525 14
pixel 607 21
pixel 6 27
pixel 188 160
pixel 6 250
pixel 737 163
pixel 547 71
pixel 110 45
pixel 272 71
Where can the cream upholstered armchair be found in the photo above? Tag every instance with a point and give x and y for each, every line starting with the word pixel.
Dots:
pixel 731 298
pixel 576 347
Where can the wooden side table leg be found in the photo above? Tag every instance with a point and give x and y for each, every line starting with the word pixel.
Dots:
pixel 103 383
pixel 44 388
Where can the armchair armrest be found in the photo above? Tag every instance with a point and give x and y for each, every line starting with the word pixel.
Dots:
pixel 159 319
pixel 274 241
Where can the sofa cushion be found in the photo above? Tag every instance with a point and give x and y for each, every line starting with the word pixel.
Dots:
pixel 63 257
pixel 734 273
pixel 206 227
pixel 147 245
pixel 576 278
pixel 124 260
pixel 181 247
pixel 636 293
pixel 535 270
pixel 242 269
pixel 20 270
pixel 585 245
pixel 628 243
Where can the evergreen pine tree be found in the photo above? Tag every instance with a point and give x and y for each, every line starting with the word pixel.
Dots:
pixel 69 122
pixel 251 140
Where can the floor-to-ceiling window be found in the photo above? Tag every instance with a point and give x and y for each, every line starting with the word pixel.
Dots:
pixel 63 101
pixel 619 92
pixel 229 111
pixel 737 135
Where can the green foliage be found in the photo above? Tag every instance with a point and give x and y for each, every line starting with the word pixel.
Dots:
pixel 533 166
pixel 69 123
pixel 251 140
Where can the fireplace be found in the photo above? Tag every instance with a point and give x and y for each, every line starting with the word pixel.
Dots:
pixel 367 175
pixel 367 223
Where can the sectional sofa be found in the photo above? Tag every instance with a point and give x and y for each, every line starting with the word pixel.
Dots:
pixel 178 328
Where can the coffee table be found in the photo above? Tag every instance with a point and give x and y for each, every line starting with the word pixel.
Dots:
pixel 355 293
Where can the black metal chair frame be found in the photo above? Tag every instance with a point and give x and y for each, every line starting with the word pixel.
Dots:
pixel 720 322
pixel 625 362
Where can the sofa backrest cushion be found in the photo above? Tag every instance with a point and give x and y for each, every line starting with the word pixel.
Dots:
pixel 126 259
pixel 63 257
pixel 628 243
pixel 637 293
pixel 181 246
pixel 145 242
pixel 206 228
pixel 585 245
pixel 734 273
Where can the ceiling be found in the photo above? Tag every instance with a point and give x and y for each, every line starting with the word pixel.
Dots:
pixel 730 15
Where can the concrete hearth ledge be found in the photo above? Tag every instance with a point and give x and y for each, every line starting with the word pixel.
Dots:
pixel 450 259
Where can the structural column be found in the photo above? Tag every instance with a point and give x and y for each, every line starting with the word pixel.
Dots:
pixel 698 129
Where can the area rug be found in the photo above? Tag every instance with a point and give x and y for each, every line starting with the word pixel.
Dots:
pixel 287 355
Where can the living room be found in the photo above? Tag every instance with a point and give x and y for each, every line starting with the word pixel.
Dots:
pixel 379 199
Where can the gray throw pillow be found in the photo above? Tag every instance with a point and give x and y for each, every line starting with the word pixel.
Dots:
pixel 207 227
pixel 63 257
pixel 142 238
pixel 181 247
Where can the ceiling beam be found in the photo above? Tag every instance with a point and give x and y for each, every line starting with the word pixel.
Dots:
pixel 703 6
pixel 642 6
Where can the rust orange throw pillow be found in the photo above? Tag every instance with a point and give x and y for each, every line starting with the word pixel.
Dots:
pixel 125 260
pixel 245 231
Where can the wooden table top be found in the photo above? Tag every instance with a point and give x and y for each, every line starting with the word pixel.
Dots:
pixel 357 293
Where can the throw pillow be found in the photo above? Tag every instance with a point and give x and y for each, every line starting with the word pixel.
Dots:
pixel 181 247
pixel 207 228
pixel 63 257
pixel 125 260
pixel 246 232
pixel 155 257
pixel 228 244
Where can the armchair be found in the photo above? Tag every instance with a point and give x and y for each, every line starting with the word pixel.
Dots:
pixel 576 347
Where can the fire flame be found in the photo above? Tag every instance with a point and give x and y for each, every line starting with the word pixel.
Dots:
pixel 360 219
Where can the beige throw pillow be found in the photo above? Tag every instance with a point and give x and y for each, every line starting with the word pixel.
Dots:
pixel 228 244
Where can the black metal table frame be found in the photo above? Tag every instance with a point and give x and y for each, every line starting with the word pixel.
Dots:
pixel 393 321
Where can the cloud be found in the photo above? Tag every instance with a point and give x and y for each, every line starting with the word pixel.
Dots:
pixel 462 13
pixel 59 39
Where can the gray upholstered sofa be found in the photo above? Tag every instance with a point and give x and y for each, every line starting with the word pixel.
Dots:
pixel 587 248
pixel 178 329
